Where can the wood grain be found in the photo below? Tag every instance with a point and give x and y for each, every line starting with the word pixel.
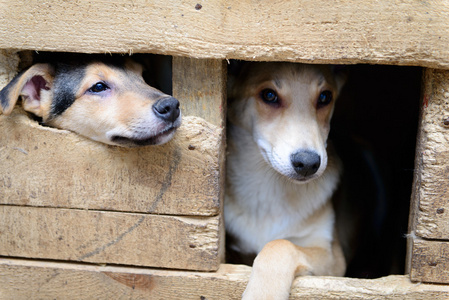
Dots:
pixel 427 248
pixel 24 279
pixel 430 208
pixel 110 237
pixel 429 261
pixel 201 84
pixel 9 63
pixel 43 166
pixel 380 32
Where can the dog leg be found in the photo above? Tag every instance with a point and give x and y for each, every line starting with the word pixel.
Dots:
pixel 280 261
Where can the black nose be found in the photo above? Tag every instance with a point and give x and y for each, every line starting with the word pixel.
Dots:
pixel 167 109
pixel 305 163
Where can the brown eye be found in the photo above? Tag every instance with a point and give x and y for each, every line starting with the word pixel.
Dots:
pixel 324 99
pixel 269 96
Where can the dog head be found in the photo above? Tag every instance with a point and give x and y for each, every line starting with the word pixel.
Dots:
pixel 101 98
pixel 287 109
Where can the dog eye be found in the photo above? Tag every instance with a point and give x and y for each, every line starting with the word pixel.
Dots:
pixel 324 98
pixel 98 87
pixel 269 96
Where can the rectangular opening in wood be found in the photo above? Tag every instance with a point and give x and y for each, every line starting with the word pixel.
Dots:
pixel 374 129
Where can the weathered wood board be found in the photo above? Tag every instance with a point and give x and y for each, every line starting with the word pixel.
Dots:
pixel 430 261
pixel 430 206
pixel 110 237
pixel 9 63
pixel 22 279
pixel 373 31
pixel 428 249
pixel 43 166
pixel 201 84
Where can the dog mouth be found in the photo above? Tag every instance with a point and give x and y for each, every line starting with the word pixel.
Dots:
pixel 301 179
pixel 160 138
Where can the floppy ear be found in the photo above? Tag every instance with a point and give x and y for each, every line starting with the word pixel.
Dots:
pixel 28 84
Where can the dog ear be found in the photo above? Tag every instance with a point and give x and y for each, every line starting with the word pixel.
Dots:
pixel 134 66
pixel 28 84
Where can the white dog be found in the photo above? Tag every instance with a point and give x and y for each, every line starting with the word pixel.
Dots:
pixel 281 174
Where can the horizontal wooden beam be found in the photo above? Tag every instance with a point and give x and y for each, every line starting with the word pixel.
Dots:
pixel 27 279
pixel 174 242
pixel 373 31
pixel 48 167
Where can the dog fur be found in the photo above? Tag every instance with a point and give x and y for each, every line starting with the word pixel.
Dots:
pixel 278 123
pixel 100 97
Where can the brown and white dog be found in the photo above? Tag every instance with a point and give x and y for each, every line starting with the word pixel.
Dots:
pixel 100 97
pixel 281 175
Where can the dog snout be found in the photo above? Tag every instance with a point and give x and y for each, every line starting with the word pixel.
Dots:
pixel 305 163
pixel 167 109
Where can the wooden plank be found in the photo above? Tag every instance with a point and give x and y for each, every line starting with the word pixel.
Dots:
pixel 413 33
pixel 429 261
pixel 43 166
pixel 430 208
pixel 9 63
pixel 24 279
pixel 201 84
pixel 429 218
pixel 110 237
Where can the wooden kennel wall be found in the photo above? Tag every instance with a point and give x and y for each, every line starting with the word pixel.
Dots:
pixel 112 222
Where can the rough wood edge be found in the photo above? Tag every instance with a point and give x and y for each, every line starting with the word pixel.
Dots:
pixel 430 198
pixel 414 198
pixel 21 279
pixel 413 33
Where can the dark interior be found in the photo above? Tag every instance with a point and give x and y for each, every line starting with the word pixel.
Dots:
pixel 374 131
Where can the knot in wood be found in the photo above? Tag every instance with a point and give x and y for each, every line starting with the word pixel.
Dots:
pixel 446 121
